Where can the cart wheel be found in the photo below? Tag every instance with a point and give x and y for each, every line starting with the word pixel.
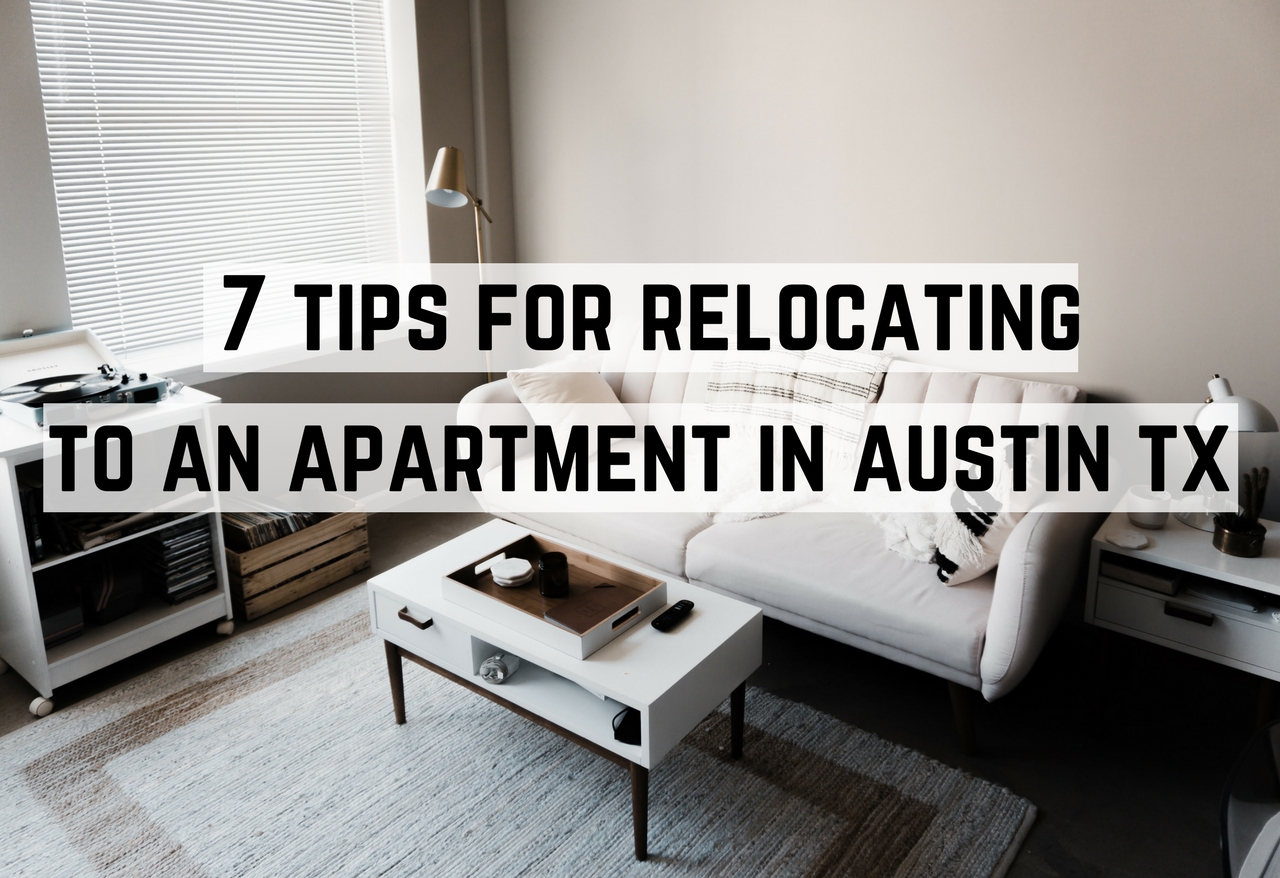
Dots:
pixel 227 627
pixel 41 707
pixel 4 666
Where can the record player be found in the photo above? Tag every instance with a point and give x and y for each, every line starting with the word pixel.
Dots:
pixel 68 367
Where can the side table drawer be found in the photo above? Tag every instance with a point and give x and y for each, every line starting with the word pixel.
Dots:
pixel 439 640
pixel 1255 644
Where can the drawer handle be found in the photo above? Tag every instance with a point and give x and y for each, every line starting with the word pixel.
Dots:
pixel 408 617
pixel 1178 612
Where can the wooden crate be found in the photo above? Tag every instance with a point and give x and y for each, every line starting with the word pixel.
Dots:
pixel 284 570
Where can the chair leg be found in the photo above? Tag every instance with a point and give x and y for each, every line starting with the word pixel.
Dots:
pixel 962 709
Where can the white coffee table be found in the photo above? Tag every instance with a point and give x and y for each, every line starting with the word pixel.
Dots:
pixel 674 680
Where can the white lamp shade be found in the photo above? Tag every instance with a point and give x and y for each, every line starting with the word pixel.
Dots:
pixel 1251 415
pixel 1255 451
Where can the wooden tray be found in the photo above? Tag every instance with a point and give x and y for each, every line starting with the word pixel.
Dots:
pixel 522 607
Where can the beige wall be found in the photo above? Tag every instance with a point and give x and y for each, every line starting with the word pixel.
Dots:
pixel 462 63
pixel 1139 139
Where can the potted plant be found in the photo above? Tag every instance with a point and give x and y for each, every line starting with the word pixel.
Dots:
pixel 1241 533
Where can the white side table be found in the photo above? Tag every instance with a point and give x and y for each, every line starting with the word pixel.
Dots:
pixel 674 680
pixel 1209 629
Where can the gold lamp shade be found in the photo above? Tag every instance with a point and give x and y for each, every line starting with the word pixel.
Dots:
pixel 447 186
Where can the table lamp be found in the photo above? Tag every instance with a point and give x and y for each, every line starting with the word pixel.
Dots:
pixel 1251 417
pixel 447 187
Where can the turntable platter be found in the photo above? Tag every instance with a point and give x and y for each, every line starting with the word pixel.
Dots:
pixel 61 388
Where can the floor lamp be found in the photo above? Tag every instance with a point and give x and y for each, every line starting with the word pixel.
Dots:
pixel 447 187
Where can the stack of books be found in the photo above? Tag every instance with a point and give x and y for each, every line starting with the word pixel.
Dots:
pixel 179 559
pixel 69 532
pixel 249 530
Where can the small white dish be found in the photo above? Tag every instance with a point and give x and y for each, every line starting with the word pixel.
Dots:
pixel 513 583
pixel 1128 539
pixel 512 572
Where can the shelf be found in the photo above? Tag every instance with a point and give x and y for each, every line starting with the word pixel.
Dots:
pixel 152 610
pixel 1180 547
pixel 55 558
pixel 154 622
pixel 564 703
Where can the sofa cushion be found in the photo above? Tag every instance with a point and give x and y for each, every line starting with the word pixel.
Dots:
pixel 903 385
pixel 833 568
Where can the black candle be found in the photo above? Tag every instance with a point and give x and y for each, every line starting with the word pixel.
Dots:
pixel 553 575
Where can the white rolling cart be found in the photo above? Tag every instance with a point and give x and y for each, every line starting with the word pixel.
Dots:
pixel 21 639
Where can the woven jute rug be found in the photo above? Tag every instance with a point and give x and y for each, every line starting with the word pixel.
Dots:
pixel 275 753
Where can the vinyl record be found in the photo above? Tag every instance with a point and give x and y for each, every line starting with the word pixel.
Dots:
pixel 60 388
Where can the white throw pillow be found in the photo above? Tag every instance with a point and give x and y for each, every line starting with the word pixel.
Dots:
pixel 968 544
pixel 910 534
pixel 962 545
pixel 829 390
pixel 560 399
pixel 970 539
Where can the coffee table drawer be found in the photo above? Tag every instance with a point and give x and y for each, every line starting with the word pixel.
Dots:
pixel 439 638
pixel 1201 629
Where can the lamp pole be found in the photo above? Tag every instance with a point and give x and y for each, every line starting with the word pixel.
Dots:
pixel 480 211
pixel 479 205
pixel 447 187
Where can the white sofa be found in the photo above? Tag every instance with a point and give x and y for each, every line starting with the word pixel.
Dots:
pixel 830 573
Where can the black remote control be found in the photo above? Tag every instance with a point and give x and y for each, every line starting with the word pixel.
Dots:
pixel 674 616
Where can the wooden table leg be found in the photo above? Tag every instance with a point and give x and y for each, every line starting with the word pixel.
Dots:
pixel 640 809
pixel 737 709
pixel 395 671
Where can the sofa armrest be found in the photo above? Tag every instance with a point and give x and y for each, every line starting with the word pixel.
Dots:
pixel 1033 582
pixel 490 405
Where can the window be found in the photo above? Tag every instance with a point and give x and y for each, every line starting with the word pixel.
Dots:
pixel 192 131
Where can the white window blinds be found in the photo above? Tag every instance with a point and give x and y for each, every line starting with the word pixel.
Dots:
pixel 192 131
